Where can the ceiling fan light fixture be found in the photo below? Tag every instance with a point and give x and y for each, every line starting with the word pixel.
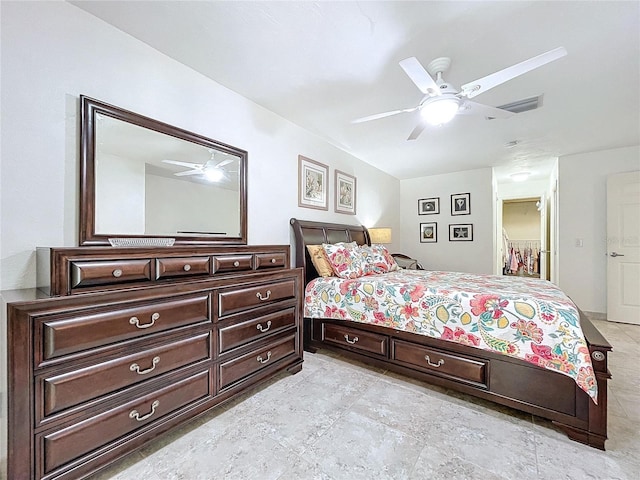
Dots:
pixel 213 174
pixel 440 110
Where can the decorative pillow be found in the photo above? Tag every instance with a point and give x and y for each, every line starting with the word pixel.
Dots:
pixel 345 259
pixel 377 259
pixel 319 260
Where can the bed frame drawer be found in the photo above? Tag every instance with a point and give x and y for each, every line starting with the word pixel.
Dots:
pixel 355 339
pixel 438 362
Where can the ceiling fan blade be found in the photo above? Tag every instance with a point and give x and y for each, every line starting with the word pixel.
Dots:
pixel 182 164
pixel 188 172
pixel 383 115
pixel 473 108
pixel 222 163
pixel 417 131
pixel 483 84
pixel 418 75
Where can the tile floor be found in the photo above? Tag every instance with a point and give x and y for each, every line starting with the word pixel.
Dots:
pixel 338 419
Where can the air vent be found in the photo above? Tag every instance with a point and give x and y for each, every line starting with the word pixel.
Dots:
pixel 520 106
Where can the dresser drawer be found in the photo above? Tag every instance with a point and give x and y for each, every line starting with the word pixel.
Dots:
pixel 182 267
pixel 270 260
pixel 355 339
pixel 231 336
pixel 55 449
pixel 232 263
pixel 434 361
pixel 66 335
pixel 240 367
pixel 104 272
pixel 72 388
pixel 231 301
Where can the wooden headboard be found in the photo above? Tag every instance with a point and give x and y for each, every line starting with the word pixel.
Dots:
pixel 316 233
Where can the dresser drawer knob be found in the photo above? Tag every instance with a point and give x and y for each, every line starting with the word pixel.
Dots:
pixel 436 365
pixel 117 273
pixel 346 337
pixel 262 329
pixel 266 359
pixel 136 415
pixel 236 263
pixel 187 267
pixel 136 322
pixel 273 260
pixel 136 368
pixel 262 299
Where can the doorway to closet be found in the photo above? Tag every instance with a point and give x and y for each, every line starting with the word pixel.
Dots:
pixel 525 228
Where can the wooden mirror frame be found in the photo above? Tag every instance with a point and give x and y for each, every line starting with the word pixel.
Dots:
pixel 88 236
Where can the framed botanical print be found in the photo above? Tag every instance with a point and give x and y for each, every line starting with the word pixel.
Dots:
pixel 312 184
pixel 461 204
pixel 429 206
pixel 428 232
pixel 345 189
pixel 461 232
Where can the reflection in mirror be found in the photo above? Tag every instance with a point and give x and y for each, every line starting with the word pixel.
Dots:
pixel 148 179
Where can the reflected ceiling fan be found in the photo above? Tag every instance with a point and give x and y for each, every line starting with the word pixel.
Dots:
pixel 211 169
pixel 442 101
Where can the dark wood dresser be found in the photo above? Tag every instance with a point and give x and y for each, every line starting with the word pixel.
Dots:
pixel 127 343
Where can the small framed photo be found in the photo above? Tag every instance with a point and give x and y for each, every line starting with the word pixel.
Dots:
pixel 461 232
pixel 345 193
pixel 312 184
pixel 429 232
pixel 461 204
pixel 428 206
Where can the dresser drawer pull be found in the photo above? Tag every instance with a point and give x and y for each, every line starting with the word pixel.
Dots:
pixel 117 273
pixel 437 365
pixel 273 260
pixel 236 263
pixel 187 267
pixel 346 337
pixel 136 415
pixel 259 359
pixel 259 295
pixel 262 329
pixel 136 322
pixel 136 368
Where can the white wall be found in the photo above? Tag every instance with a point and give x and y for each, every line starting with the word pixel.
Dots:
pixel 52 52
pixel 476 256
pixel 582 211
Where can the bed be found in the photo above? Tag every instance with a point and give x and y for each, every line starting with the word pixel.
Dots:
pixel 569 388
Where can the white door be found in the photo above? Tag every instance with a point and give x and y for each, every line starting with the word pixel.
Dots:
pixel 544 245
pixel 623 248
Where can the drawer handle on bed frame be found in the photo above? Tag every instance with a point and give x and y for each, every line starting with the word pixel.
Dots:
pixel 259 295
pixel 136 368
pixel 136 322
pixel 437 365
pixel 262 329
pixel 136 415
pixel 259 359
pixel 346 337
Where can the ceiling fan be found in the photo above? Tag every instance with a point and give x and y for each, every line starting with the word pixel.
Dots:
pixel 211 169
pixel 442 101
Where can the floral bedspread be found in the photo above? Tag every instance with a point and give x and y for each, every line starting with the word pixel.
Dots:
pixel 530 319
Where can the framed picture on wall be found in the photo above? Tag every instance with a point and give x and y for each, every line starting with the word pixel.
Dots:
pixel 461 204
pixel 312 184
pixel 345 193
pixel 429 206
pixel 429 232
pixel 461 232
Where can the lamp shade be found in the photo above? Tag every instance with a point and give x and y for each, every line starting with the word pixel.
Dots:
pixel 380 235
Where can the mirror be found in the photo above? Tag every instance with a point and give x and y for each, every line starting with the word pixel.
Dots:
pixel 141 178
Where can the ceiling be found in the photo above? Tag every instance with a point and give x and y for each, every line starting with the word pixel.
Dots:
pixel 323 64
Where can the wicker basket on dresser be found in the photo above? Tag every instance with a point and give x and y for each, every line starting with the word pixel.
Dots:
pixel 135 341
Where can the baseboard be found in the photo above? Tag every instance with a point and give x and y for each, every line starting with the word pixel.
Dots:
pixel 595 315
